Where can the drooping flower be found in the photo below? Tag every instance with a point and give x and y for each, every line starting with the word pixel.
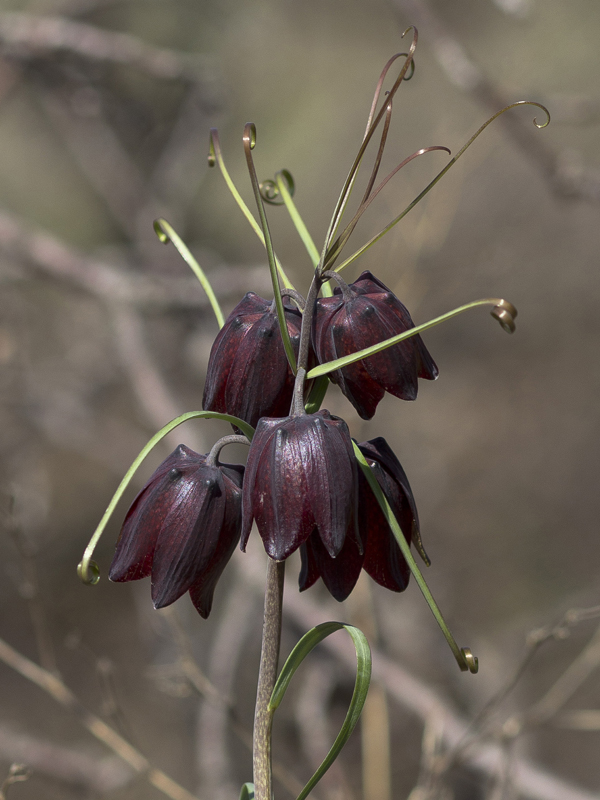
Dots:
pixel 381 557
pixel 248 372
pixel 363 314
pixel 301 476
pixel 182 529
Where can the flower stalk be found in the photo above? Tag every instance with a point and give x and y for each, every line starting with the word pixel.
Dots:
pixel 267 676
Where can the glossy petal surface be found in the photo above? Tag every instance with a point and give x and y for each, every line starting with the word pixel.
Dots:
pixel 301 475
pixel 372 314
pixel 383 560
pixel 339 574
pixel 180 527
pixel 380 556
pixel 248 372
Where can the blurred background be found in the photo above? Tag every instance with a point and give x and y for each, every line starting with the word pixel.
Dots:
pixel 105 107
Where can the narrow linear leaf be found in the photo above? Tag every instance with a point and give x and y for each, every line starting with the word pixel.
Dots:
pixel 249 144
pixel 282 185
pixel 338 363
pixel 87 570
pixel 317 395
pixel 166 234
pixel 361 687
pixel 465 660
pixel 216 156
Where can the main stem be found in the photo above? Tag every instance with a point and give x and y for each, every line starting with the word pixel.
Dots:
pixel 304 347
pixel 267 675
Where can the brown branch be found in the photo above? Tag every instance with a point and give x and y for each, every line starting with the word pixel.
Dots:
pixel 119 284
pixel 104 733
pixel 30 592
pixel 27 36
pixel 64 763
pixel 151 389
pixel 101 157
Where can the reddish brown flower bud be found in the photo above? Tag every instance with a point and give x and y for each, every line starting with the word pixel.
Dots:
pixel 368 313
pixel 182 529
pixel 382 558
pixel 301 476
pixel 248 372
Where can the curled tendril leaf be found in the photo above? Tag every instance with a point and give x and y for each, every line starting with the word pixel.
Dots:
pixel 166 233
pixel 442 172
pixel 464 658
pixel 373 123
pixel 88 573
pixel 249 140
pixel 215 156
pixel 270 192
pixel 249 137
pixel 338 363
pixel 505 313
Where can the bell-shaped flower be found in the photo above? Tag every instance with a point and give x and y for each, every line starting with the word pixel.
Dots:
pixel 301 476
pixel 248 372
pixel 363 314
pixel 181 529
pixel 381 556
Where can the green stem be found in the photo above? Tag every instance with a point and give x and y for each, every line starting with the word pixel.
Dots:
pixel 297 220
pixel 267 677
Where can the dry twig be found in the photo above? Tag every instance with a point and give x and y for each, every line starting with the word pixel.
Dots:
pixel 104 733
pixel 64 763
pixel 24 36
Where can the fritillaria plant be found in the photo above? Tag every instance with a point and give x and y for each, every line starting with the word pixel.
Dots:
pixel 307 484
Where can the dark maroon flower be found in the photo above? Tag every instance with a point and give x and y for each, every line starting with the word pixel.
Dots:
pixel 363 315
pixel 182 529
pixel 248 372
pixel 381 558
pixel 301 477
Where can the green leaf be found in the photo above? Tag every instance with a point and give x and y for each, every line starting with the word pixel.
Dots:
pixel 249 144
pixel 216 156
pixel 317 395
pixel 247 792
pixel 87 569
pixel 361 687
pixel 167 234
pixel 338 363
pixel 282 184
pixel 465 659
